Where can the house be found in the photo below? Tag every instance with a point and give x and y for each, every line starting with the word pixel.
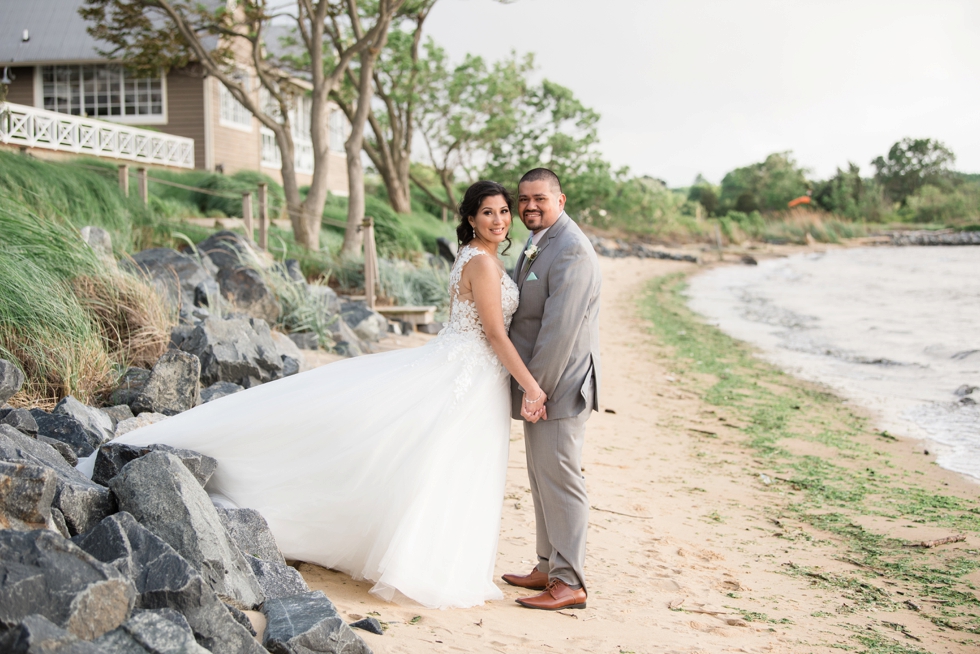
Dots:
pixel 49 61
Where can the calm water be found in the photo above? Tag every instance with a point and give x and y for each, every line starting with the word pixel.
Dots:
pixel 896 330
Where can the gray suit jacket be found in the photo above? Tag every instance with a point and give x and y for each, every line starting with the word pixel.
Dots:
pixel 556 326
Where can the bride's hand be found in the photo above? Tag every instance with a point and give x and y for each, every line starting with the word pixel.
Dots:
pixel 533 407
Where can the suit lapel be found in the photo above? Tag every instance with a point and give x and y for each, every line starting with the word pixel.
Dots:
pixel 554 231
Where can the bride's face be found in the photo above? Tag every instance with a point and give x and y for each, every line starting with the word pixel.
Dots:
pixel 492 220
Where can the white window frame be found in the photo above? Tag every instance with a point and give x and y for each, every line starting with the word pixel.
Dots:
pixel 123 119
pixel 299 116
pixel 337 134
pixel 227 101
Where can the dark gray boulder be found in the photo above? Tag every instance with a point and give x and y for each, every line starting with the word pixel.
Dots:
pixel 82 502
pixel 326 299
pixel 250 532
pixel 150 632
pixel 308 622
pixel 237 350
pixel 11 380
pixel 118 413
pixel 277 579
pixel 370 625
pixel 346 342
pixel 163 496
pixel 369 325
pixel 92 420
pixel 26 493
pixel 129 386
pixel 42 573
pixel 112 457
pixel 173 385
pixel 21 420
pixel 219 390
pixel 65 450
pixel 182 279
pixel 58 523
pixel 245 289
pixel 69 431
pixel 226 249
pixel 447 249
pixel 165 580
pixel 35 634
pixel 305 340
pixel 288 352
pixel 239 616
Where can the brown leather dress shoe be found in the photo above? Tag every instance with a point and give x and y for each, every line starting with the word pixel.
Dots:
pixel 558 595
pixel 537 580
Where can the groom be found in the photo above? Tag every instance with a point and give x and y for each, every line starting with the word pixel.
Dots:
pixel 556 332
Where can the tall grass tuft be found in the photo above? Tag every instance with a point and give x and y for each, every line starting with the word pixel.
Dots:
pixel 68 317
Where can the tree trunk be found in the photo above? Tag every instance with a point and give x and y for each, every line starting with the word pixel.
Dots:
pixel 354 145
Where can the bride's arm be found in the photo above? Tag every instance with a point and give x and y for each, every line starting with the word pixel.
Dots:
pixel 484 280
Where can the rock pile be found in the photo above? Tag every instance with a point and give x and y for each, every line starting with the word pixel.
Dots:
pixel 618 248
pixel 938 237
pixel 221 278
pixel 137 559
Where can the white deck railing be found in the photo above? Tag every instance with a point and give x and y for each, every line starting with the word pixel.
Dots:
pixel 39 128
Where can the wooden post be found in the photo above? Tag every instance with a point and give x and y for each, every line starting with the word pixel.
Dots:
pixel 247 214
pixel 721 257
pixel 445 215
pixel 124 179
pixel 144 188
pixel 370 262
pixel 697 211
pixel 263 215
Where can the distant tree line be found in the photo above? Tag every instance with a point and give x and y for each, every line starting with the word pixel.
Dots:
pixel 914 181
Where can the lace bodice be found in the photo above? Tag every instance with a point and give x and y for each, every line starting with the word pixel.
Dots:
pixel 464 334
pixel 463 317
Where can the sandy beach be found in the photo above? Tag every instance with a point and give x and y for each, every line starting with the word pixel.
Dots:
pixel 690 546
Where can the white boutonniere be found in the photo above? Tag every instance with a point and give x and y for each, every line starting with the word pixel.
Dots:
pixel 531 252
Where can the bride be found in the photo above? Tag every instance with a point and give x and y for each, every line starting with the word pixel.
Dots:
pixel 388 467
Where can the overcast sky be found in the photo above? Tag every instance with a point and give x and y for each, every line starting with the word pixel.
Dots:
pixel 700 86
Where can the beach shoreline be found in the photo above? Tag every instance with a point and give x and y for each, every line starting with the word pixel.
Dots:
pixel 705 537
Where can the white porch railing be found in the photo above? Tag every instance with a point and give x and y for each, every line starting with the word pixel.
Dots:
pixel 39 128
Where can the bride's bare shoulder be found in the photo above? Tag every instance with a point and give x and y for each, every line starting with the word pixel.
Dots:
pixel 481 265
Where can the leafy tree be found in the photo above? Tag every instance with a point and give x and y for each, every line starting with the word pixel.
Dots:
pixel 911 164
pixel 396 79
pixel 462 111
pixel 555 130
pixel 849 195
pixel 765 186
pixel 704 193
pixel 148 35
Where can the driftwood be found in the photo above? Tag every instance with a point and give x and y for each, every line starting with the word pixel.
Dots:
pixel 939 541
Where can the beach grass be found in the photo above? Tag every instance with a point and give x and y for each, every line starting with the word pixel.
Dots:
pixel 853 480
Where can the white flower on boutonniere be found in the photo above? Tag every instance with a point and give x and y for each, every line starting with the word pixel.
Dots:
pixel 531 252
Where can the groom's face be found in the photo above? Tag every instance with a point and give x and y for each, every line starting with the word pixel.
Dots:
pixel 539 203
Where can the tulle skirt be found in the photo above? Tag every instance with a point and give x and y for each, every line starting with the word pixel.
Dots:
pixel 389 467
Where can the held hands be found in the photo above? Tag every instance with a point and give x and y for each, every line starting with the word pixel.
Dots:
pixel 533 408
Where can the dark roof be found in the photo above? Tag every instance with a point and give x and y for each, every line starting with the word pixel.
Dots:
pixel 57 33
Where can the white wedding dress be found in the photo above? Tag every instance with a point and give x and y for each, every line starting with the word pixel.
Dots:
pixel 388 467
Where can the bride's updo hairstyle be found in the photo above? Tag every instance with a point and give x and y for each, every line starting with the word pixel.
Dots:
pixel 472 200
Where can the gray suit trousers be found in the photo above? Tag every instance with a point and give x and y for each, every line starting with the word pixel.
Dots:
pixel 561 506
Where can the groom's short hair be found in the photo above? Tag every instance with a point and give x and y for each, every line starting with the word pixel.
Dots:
pixel 542 175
